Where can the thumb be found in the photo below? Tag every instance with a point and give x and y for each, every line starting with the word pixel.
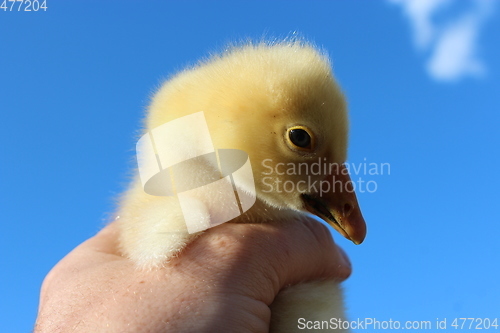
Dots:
pixel 272 256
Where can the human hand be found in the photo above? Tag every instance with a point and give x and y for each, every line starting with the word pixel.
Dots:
pixel 224 281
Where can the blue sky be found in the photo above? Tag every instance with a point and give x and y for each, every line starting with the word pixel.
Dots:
pixel 423 83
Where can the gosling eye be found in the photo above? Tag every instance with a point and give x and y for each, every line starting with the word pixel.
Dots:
pixel 300 138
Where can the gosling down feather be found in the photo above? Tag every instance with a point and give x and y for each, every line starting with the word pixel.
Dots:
pixel 280 105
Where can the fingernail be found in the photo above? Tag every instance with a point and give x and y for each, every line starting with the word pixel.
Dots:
pixel 344 256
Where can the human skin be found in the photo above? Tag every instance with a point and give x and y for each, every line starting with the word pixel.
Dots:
pixel 224 281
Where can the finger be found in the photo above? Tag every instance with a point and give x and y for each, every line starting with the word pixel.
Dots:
pixel 105 241
pixel 264 258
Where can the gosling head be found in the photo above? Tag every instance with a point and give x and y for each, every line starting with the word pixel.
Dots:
pixel 280 104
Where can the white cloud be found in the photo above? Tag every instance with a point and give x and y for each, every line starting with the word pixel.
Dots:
pixel 454 53
pixel 420 13
pixel 452 46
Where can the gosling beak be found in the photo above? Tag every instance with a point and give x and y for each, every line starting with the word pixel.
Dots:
pixel 339 206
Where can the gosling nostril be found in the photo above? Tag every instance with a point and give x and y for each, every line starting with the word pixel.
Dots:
pixel 347 209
